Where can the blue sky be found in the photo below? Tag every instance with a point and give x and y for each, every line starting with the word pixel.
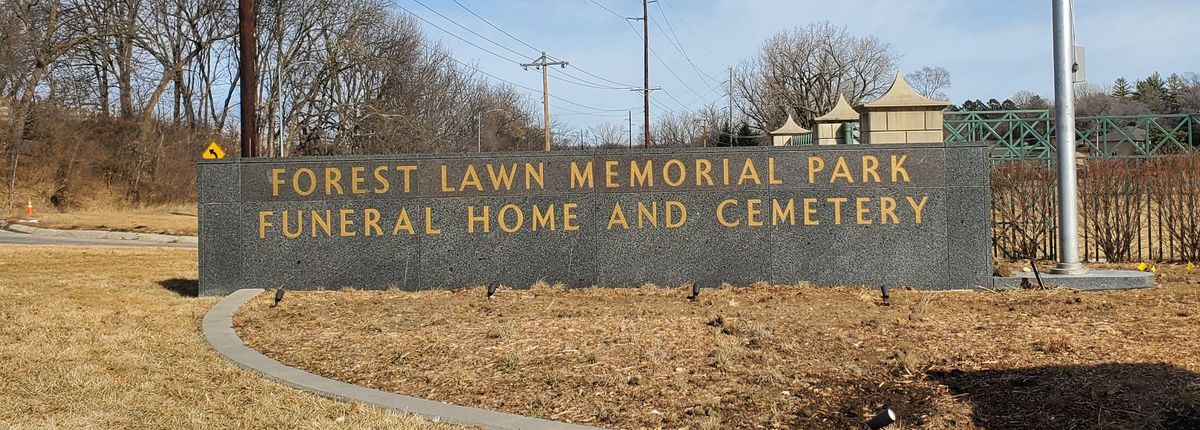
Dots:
pixel 991 48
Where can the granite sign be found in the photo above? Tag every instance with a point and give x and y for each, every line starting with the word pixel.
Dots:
pixel 913 215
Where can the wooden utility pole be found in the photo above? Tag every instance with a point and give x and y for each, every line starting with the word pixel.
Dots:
pixel 542 63
pixel 248 49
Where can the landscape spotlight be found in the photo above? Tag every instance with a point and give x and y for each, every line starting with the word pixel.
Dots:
pixel 884 289
pixel 695 293
pixel 491 290
pixel 882 419
pixel 278 296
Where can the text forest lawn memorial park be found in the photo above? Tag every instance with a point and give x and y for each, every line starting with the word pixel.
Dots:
pixel 914 215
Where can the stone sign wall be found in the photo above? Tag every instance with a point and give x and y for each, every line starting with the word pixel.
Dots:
pixel 914 215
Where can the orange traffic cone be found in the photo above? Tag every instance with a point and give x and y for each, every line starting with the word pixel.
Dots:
pixel 29 209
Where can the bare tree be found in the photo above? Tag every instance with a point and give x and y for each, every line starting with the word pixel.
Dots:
pixel 610 135
pixel 930 82
pixel 801 71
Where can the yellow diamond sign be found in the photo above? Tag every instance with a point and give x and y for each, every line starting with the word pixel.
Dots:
pixel 213 152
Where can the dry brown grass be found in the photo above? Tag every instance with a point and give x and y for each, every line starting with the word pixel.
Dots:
pixel 175 220
pixel 763 357
pixel 93 338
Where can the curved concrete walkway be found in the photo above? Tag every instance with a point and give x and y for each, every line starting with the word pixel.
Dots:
pixel 218 331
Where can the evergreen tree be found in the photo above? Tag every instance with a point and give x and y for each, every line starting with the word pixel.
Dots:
pixel 725 136
pixel 1153 92
pixel 1121 88
pixel 1176 87
pixel 745 137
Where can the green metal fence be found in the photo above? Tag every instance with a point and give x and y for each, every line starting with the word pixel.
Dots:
pixel 1024 202
pixel 1030 134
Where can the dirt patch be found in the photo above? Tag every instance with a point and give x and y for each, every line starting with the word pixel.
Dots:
pixel 178 221
pixel 102 338
pixel 766 356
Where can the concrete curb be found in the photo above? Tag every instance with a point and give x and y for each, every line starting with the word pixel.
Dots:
pixel 218 331
pixel 110 235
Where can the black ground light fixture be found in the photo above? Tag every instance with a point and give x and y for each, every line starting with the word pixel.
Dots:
pixel 491 291
pixel 695 293
pixel 884 290
pixel 882 419
pixel 278 296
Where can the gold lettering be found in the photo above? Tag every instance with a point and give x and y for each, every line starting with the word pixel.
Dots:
pixel 312 181
pixel 569 217
pixel 682 173
pixel 532 174
pixel 779 213
pixel 581 176
pixel 809 211
pixel 771 179
pixel 543 219
pixel 870 168
pixel 430 230
pixel 841 170
pixel 263 223
pixel 356 180
pixel 887 208
pixel 617 217
pixel 641 176
pixel 384 185
pixel 815 164
pixel 470 178
pixel 504 178
pixel 403 223
pixel 445 181
pixel 725 171
pixel 275 181
pixel 917 207
pixel 333 179
pixel 671 207
pixel 344 222
pixel 610 174
pixel 862 209
pixel 721 213
pixel 325 223
pixel 752 213
pixel 485 218
pixel 898 168
pixel 837 208
pixel 647 214
pixel 407 170
pixel 299 224
pixel 371 220
pixel 749 172
pixel 703 167
pixel 502 218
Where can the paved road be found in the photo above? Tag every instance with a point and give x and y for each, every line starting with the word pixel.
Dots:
pixel 13 238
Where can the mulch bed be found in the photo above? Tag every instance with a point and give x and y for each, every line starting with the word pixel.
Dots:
pixel 764 356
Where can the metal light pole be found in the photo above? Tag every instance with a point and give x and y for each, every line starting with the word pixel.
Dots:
pixel 1064 122
pixel 279 93
pixel 478 129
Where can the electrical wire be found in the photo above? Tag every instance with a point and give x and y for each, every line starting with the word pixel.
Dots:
pixel 518 54
pixel 679 46
pixel 689 29
pixel 495 27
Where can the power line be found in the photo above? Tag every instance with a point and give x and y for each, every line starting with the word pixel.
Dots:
pixel 575 80
pixel 495 27
pixel 510 35
pixel 679 46
pixel 470 30
pixel 476 69
pixel 455 35
pixel 689 29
